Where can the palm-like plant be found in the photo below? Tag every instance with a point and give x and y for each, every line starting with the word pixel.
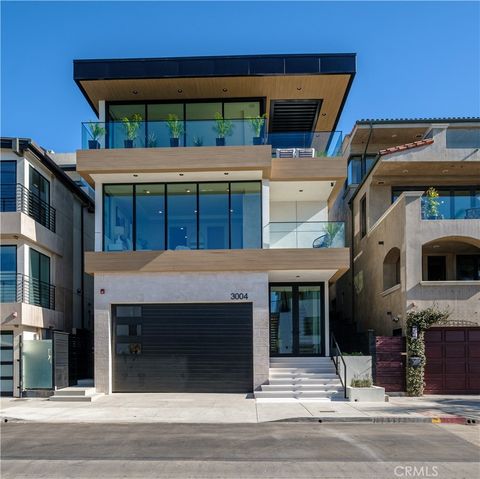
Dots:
pixel 174 125
pixel 96 130
pixel 431 204
pixel 222 127
pixel 131 125
pixel 331 229
pixel 257 123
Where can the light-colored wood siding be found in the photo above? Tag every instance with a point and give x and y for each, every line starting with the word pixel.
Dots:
pixel 217 260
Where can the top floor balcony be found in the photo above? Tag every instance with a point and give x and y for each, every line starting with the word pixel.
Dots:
pixel 173 133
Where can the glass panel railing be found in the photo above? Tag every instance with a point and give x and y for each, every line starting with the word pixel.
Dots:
pixel 196 133
pixel 458 207
pixel 306 144
pixel 309 234
pixel 162 134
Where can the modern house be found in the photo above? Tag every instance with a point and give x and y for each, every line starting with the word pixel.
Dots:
pixel 213 253
pixel 46 222
pixel 412 210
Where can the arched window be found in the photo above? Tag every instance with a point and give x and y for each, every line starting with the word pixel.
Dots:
pixel 391 269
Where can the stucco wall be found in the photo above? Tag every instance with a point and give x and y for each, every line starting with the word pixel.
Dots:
pixel 178 288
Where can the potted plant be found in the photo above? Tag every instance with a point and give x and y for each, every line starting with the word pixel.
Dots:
pixel 96 132
pixel 222 128
pixel 131 126
pixel 431 204
pixel 176 129
pixel 198 141
pixel 257 123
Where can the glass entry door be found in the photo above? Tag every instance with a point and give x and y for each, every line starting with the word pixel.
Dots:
pixel 296 320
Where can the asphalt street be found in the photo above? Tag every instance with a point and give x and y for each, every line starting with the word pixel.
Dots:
pixel 269 450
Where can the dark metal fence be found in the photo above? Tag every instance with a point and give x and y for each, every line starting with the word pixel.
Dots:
pixel 18 288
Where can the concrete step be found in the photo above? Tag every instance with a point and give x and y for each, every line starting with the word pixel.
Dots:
pixel 300 360
pixel 325 394
pixel 316 370
pixel 90 398
pixel 300 387
pixel 306 382
pixel 75 391
pixel 294 376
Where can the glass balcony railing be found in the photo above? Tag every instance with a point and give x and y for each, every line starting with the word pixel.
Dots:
pixel 197 133
pixel 458 207
pixel 309 234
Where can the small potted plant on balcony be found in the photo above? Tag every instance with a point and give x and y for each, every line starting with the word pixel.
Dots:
pixel 152 140
pixel 97 131
pixel 198 141
pixel 222 128
pixel 176 129
pixel 431 204
pixel 257 123
pixel 131 126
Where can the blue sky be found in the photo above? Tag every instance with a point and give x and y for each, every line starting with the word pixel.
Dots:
pixel 413 59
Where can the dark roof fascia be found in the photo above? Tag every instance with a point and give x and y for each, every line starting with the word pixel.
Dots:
pixel 221 66
pixel 44 158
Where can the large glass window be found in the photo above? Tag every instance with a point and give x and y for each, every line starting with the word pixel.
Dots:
pixel 463 138
pixel 8 270
pixel 8 181
pixel 217 215
pixel 358 168
pixel 150 217
pixel 182 215
pixel 126 128
pixel 118 217
pixel 468 267
pixel 214 216
pixel 39 185
pixel 39 284
pixel 246 215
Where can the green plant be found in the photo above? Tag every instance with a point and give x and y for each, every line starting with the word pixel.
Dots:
pixel 257 123
pixel 131 125
pixel 198 141
pixel 331 229
pixel 96 130
pixel 320 154
pixel 355 353
pixel 431 204
pixel 417 323
pixel 174 125
pixel 222 127
pixel 152 140
pixel 361 382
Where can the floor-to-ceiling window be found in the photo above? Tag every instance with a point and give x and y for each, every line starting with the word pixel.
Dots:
pixel 182 213
pixel 214 215
pixel 8 273
pixel 296 320
pixel 8 183
pixel 39 282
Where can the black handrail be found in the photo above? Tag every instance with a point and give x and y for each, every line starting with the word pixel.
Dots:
pixel 335 358
pixel 28 202
pixel 19 288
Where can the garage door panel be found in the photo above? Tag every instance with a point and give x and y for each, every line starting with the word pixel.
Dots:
pixel 189 348
pixel 453 361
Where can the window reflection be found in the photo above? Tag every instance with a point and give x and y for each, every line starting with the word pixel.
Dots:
pixel 246 215
pixel 182 216
pixel 150 217
pixel 213 202
pixel 118 217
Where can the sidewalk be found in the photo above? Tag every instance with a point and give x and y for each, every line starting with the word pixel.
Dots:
pixel 236 408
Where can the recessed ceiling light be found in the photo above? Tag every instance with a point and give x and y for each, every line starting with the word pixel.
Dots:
pixel 298 276
pixel 394 135
pixel 160 212
pixel 405 172
pixel 418 136
pixel 436 246
pixel 135 175
pixel 147 191
pixel 444 171
pixel 188 191
pixel 225 89
pixel 180 174
pixel 180 90
pixel 135 92
pixel 300 191
pixel 299 88
pixel 324 114
pixel 225 174
pixel 380 182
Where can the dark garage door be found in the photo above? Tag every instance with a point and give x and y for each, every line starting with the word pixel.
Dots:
pixel 453 361
pixel 183 348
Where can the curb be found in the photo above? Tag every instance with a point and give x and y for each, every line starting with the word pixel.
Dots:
pixel 386 420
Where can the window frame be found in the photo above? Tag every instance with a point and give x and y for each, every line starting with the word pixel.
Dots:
pixel 363 216
pixel 197 184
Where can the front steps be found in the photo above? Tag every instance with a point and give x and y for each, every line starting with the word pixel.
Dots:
pixel 82 392
pixel 301 378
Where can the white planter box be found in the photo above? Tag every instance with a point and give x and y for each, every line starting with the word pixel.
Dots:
pixel 371 394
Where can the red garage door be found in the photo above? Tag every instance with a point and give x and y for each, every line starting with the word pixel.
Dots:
pixel 453 361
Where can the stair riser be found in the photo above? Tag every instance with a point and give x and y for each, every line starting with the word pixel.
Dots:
pixel 303 370
pixel 74 393
pixel 268 387
pixel 292 394
pixel 73 398
pixel 294 377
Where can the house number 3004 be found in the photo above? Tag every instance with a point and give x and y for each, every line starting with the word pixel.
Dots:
pixel 238 295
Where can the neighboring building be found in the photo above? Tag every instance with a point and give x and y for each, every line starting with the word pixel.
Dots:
pixel 213 249
pixel 409 249
pixel 46 223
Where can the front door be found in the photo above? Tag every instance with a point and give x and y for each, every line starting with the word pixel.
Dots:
pixel 297 320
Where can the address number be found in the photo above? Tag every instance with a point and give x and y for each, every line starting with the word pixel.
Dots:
pixel 238 295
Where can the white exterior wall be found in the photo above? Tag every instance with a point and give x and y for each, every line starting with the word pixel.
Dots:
pixel 178 288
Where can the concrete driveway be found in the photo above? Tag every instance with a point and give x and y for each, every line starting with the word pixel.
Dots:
pixel 231 408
